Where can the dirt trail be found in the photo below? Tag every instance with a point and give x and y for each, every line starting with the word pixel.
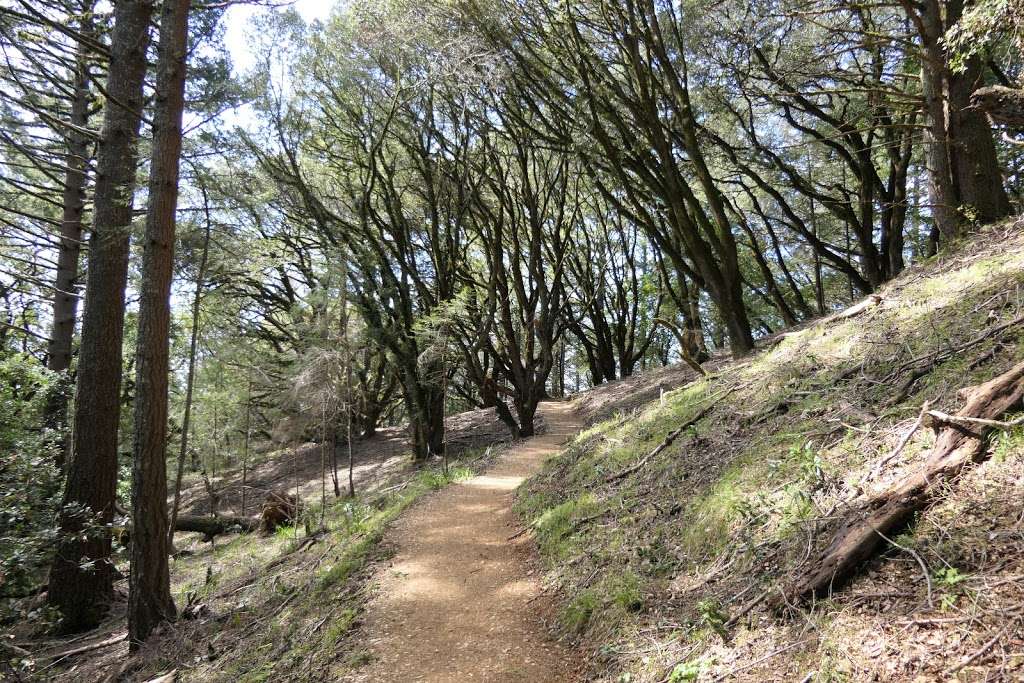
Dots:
pixel 459 601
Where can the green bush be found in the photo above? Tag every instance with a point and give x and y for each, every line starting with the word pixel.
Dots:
pixel 29 480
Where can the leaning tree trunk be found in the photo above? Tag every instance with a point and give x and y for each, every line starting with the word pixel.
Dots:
pixel 958 444
pixel 65 299
pixel 190 379
pixel 149 594
pixel 81 577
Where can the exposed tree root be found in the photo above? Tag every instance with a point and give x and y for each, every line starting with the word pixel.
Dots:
pixel 961 441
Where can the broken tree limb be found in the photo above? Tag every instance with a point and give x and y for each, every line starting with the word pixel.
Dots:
pixel 863 532
pixel 669 439
pixel 904 441
pixel 961 419
pixel 932 359
pixel 113 640
pixel 866 304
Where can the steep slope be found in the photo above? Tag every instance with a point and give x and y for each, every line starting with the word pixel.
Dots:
pixel 674 530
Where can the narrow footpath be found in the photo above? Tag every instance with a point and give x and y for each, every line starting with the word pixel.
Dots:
pixel 459 601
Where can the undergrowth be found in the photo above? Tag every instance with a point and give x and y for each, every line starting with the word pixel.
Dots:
pixel 287 606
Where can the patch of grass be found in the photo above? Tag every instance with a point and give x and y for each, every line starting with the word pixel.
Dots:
pixel 438 479
pixel 341 626
pixel 799 435
pixel 577 614
pixel 556 525
pixel 625 593
pixel 359 658
pixel 1006 444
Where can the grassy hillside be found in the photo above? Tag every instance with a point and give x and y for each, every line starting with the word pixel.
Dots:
pixel 260 608
pixel 669 562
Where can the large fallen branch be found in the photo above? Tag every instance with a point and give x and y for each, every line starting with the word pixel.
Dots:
pixel 963 439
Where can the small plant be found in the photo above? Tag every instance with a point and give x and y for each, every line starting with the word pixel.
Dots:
pixel 949 579
pixel 626 593
pixel 687 671
pixel 712 616
pixel 579 611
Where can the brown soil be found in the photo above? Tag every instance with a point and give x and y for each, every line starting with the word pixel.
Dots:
pixel 461 600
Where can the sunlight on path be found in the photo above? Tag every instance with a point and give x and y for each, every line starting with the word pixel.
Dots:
pixel 460 600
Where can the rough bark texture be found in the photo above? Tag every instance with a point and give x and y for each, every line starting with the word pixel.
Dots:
pixel 149 594
pixel 978 175
pixel 960 152
pixel 65 299
pixel 81 578
pixel 861 535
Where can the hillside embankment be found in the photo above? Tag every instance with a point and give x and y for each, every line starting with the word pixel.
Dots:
pixel 814 512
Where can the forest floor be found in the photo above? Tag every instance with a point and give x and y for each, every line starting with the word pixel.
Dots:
pixel 664 529
pixel 282 606
pixel 377 461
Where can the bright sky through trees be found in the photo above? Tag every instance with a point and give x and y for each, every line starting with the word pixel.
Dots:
pixel 238 26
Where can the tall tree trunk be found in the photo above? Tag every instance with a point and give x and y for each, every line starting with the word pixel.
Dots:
pixel 149 596
pixel 526 410
pixel 425 406
pixel 973 148
pixel 81 578
pixel 960 152
pixel 190 378
pixel 65 299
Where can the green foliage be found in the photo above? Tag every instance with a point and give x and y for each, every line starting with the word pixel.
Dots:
pixel 986 24
pixel 687 671
pixel 949 580
pixel 577 614
pixel 713 617
pixel 29 479
pixel 555 525
pixel 625 592
pixel 437 479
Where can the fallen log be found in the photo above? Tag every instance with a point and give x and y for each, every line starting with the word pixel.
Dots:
pixel 213 526
pixel 962 440
pixel 208 526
